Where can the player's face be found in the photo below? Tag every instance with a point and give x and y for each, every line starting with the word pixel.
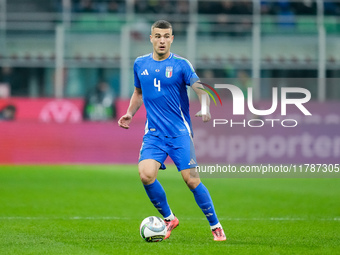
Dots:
pixel 161 40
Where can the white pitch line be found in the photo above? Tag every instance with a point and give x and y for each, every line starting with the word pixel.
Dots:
pixel 63 218
pixel 280 219
pixel 125 218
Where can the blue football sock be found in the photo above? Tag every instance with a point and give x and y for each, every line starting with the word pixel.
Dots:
pixel 157 196
pixel 204 201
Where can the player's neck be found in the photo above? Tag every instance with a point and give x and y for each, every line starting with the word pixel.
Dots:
pixel 158 57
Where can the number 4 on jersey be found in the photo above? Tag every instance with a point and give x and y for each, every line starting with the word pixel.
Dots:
pixel 157 84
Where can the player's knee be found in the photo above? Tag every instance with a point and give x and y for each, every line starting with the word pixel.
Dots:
pixel 192 183
pixel 146 178
pixel 191 178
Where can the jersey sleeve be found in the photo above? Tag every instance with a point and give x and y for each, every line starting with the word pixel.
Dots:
pixel 135 72
pixel 190 76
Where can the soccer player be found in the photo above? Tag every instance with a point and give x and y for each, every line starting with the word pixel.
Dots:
pixel 161 79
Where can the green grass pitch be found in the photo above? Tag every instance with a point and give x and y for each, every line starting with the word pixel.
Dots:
pixel 97 210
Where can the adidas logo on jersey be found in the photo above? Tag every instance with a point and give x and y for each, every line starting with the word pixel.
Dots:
pixel 145 72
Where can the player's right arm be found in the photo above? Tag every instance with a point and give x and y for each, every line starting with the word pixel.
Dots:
pixel 198 88
pixel 136 102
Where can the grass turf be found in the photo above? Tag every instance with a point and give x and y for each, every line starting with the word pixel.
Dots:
pixel 98 209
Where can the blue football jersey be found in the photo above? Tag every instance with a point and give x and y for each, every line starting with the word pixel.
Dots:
pixel 164 87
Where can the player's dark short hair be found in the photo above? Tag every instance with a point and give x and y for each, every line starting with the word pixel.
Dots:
pixel 163 24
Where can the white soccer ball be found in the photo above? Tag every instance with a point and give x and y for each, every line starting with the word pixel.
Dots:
pixel 152 229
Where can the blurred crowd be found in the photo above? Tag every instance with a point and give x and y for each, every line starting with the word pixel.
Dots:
pixel 303 7
pixel 218 16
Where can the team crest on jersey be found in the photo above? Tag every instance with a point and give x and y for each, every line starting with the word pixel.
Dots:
pixel 168 71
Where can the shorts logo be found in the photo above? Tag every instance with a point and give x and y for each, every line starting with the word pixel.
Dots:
pixel 192 162
pixel 168 72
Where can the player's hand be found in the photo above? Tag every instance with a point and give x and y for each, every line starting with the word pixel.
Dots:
pixel 125 120
pixel 205 117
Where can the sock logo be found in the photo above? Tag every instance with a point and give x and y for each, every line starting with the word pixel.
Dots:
pixel 206 209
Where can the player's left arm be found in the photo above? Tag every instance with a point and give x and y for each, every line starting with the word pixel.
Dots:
pixel 198 88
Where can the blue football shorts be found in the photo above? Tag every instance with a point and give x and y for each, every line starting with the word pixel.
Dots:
pixel 180 149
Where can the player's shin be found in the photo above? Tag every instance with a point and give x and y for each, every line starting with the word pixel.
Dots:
pixel 204 201
pixel 157 196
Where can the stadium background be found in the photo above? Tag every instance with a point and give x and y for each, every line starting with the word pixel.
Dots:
pixel 68 174
pixel 53 53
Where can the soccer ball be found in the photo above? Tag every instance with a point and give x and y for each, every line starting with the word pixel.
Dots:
pixel 152 229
